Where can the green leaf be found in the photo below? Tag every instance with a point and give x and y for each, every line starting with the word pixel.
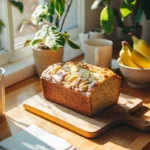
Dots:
pixel 42 33
pixel 60 7
pixel 139 15
pixel 146 8
pixel 53 28
pixel 1 25
pixel 49 18
pixel 35 41
pixel 51 8
pixel 27 43
pixel 55 40
pixel 73 44
pixel 106 2
pixel 118 18
pixel 18 5
pixel 127 8
pixel 50 37
pixel 129 1
pixel 66 35
pixel 107 19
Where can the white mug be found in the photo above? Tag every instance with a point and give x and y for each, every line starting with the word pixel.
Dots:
pixel 96 33
pixel 83 37
pixel 2 92
pixel 98 52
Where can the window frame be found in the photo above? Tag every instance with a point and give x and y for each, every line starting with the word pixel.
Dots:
pixel 12 53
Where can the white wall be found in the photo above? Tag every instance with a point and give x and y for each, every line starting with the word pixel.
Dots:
pixel 92 17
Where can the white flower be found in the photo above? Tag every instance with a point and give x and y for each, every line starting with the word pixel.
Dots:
pixel 38 14
pixel 38 11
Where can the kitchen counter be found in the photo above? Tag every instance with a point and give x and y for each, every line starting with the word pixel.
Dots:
pixel 118 138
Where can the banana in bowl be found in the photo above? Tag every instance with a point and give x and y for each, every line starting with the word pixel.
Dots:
pixel 134 63
pixel 136 77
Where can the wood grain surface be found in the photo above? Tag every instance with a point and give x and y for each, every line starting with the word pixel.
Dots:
pixel 122 137
pixel 89 127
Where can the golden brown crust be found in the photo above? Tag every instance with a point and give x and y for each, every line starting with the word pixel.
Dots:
pixel 75 85
pixel 67 97
pixel 79 76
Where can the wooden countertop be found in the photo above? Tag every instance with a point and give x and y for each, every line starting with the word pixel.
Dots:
pixel 119 138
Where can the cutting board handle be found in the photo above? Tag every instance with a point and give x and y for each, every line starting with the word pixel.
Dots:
pixel 141 124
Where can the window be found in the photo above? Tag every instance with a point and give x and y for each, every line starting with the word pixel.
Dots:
pixel 12 41
pixel 29 30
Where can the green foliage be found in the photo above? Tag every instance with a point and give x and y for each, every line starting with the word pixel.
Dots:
pixel 1 25
pixel 139 15
pixel 60 7
pixel 27 43
pixel 40 14
pixel 18 5
pixel 50 35
pixel 129 1
pixel 127 8
pixel 107 19
pixel 118 18
pixel 52 38
pixel 51 10
pixel 135 8
pixel 73 44
pixel 48 12
pixel 145 4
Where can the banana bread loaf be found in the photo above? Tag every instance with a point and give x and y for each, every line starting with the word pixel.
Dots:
pixel 84 88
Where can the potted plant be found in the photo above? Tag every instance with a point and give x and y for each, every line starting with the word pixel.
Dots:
pixel 133 8
pixel 48 43
pixel 127 10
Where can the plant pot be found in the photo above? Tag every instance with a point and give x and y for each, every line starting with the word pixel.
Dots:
pixel 2 92
pixel 46 57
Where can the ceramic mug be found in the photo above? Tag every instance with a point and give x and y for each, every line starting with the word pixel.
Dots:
pixel 98 52
pixel 2 92
pixel 96 33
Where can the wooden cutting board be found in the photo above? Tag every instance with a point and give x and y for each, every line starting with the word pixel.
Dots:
pixel 85 126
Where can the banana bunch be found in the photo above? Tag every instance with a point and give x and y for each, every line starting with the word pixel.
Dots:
pixel 125 56
pixel 133 58
pixel 141 46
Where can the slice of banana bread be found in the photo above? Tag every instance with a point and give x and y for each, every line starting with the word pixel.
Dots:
pixel 82 87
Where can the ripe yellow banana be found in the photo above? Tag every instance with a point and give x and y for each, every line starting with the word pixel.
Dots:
pixel 138 59
pixel 141 46
pixel 125 56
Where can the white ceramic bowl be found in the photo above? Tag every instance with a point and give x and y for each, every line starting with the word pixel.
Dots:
pixel 137 78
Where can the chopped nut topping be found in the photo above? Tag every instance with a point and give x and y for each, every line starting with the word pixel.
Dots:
pixel 80 76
